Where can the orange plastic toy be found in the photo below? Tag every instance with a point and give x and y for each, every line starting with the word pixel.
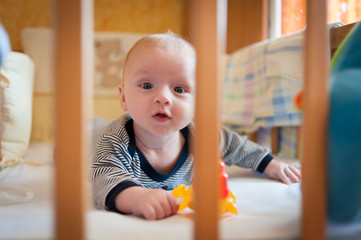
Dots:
pixel 227 199
pixel 297 101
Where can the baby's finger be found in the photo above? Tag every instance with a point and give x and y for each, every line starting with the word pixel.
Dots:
pixel 159 210
pixel 149 213
pixel 283 177
pixel 291 175
pixel 166 208
pixel 296 172
pixel 173 204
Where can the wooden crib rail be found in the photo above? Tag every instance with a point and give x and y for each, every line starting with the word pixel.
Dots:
pixel 209 40
pixel 315 107
pixel 74 28
pixel 337 35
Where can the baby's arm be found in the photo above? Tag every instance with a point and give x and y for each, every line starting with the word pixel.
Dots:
pixel 283 172
pixel 152 204
pixel 238 150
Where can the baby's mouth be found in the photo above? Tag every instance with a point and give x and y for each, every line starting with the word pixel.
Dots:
pixel 161 116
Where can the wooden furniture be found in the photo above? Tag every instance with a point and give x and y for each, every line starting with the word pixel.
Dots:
pixel 74 29
pixel 209 43
pixel 315 107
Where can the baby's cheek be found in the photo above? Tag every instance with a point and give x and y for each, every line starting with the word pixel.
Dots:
pixel 190 112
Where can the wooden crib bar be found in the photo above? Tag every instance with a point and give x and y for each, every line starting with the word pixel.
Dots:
pixel 74 26
pixel 208 36
pixel 315 106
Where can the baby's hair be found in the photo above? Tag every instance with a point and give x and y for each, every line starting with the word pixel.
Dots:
pixel 170 41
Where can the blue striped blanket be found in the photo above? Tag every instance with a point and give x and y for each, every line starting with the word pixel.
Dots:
pixel 260 83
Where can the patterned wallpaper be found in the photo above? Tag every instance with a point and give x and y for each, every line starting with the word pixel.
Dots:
pixel 139 16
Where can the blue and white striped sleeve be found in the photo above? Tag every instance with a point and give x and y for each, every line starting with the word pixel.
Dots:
pixel 111 171
pixel 238 150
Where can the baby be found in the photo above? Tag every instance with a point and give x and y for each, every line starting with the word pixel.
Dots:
pixel 147 151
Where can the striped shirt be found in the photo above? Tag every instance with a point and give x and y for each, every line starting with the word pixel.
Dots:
pixel 118 164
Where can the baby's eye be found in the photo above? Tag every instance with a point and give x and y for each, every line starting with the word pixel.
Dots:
pixel 179 90
pixel 146 85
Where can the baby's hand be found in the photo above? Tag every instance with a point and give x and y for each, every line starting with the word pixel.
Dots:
pixel 152 204
pixel 283 172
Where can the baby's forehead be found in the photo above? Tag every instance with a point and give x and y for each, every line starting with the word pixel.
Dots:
pixel 154 47
pixel 165 44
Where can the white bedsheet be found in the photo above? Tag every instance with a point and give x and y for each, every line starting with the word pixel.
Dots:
pixel 266 209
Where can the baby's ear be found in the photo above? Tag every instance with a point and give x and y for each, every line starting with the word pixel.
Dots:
pixel 122 97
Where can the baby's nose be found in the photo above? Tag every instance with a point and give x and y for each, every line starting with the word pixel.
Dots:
pixel 164 96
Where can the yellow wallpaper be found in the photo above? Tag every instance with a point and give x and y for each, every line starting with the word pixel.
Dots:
pixel 142 16
pixel 145 16
pixel 43 118
pixel 43 114
pixel 137 16
pixel 112 110
pixel 18 14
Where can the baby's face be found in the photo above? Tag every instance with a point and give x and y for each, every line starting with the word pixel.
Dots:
pixel 159 89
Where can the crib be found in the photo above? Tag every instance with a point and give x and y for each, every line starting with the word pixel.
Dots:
pixel 74 220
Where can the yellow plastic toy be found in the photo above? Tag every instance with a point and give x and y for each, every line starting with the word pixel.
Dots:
pixel 227 201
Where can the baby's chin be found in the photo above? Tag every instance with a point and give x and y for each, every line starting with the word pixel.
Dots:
pixel 166 131
pixel 162 131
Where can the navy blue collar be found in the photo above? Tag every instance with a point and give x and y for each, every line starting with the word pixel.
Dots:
pixel 144 163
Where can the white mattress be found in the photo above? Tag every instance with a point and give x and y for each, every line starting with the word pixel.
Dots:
pixel 267 209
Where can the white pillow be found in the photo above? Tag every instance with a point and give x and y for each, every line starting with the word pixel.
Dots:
pixel 38 43
pixel 16 104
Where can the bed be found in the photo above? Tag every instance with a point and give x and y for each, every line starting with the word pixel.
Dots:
pixel 54 201
pixel 267 209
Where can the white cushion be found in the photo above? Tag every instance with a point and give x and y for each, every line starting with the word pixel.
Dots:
pixel 16 104
pixel 38 43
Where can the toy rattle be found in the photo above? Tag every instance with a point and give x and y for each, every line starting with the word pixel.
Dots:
pixel 227 201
